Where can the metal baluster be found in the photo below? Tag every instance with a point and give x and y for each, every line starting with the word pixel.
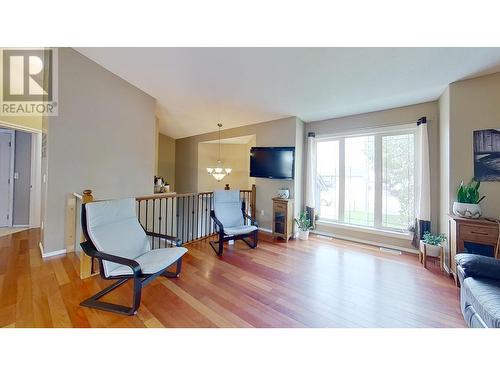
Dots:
pixel 187 219
pixel 212 225
pixel 172 201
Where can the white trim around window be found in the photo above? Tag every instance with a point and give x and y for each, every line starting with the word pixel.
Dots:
pixel 378 133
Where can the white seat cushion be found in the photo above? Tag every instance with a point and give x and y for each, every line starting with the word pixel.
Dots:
pixel 114 229
pixel 152 261
pixel 241 229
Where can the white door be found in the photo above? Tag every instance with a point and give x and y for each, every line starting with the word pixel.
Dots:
pixel 5 178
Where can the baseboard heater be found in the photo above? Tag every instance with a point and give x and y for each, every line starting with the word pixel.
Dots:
pixel 389 251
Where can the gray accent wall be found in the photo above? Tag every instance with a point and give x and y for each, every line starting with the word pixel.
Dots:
pixel 22 184
pixel 103 139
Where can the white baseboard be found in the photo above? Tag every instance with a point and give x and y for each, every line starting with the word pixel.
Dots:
pixel 366 242
pixel 20 226
pixel 52 253
pixel 266 230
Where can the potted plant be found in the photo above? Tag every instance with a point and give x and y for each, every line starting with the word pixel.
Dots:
pixel 304 225
pixel 433 246
pixel 467 204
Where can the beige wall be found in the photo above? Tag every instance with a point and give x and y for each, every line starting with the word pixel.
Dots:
pixel 444 160
pixel 234 156
pixel 282 132
pixel 474 105
pixel 300 155
pixel 395 116
pixel 103 139
pixel 166 159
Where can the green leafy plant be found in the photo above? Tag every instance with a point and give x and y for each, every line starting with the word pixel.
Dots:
pixel 433 239
pixel 469 193
pixel 303 221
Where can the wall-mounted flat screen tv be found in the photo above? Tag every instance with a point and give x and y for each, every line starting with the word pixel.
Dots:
pixel 272 162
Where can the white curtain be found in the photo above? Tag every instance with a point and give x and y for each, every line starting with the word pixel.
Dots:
pixel 311 171
pixel 423 208
pixel 423 191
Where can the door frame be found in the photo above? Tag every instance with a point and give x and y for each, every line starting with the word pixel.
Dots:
pixel 35 180
pixel 11 174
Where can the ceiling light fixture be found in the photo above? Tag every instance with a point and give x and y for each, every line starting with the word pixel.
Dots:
pixel 219 172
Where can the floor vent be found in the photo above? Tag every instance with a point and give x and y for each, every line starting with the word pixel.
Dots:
pixel 389 251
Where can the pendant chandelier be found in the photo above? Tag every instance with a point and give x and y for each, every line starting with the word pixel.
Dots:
pixel 219 172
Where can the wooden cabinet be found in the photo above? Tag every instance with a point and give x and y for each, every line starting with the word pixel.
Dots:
pixel 283 218
pixel 478 236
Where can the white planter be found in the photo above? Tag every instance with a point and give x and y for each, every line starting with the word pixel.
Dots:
pixel 303 235
pixel 431 250
pixel 468 210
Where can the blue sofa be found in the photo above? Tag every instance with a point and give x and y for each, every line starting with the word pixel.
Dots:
pixel 479 278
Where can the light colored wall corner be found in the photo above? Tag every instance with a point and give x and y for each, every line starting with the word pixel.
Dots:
pixel 394 116
pixel 300 150
pixel 102 140
pixel 166 159
pixel 474 105
pixel 157 144
pixel 444 167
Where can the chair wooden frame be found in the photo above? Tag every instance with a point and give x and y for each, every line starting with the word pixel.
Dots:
pixel 139 278
pixel 218 246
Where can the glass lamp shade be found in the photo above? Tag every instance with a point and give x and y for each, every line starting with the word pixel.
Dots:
pixel 219 176
pixel 218 170
pixel 228 170
pixel 210 170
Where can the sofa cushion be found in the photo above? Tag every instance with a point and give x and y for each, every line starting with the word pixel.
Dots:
pixel 483 295
pixel 474 265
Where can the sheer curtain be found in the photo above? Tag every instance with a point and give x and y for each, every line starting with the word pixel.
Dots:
pixel 311 176
pixel 423 191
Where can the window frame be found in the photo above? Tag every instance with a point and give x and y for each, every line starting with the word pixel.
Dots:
pixel 378 134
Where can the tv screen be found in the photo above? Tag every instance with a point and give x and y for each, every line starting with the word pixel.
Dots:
pixel 272 162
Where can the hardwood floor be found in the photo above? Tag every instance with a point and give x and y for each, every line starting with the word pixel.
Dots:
pixel 318 283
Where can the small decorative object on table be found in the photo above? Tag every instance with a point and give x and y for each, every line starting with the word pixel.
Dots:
pixel 284 193
pixel 431 245
pixel 161 186
pixel 467 204
pixel 304 225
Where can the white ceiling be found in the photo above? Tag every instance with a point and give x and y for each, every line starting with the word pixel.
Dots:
pixel 198 87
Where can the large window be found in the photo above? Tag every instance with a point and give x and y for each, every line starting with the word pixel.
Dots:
pixel 367 179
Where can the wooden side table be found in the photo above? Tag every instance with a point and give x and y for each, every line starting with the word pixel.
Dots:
pixel 469 233
pixel 423 252
pixel 283 218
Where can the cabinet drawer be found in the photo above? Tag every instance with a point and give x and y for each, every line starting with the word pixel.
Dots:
pixel 471 232
pixel 280 205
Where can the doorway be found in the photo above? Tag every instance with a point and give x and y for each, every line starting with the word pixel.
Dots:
pixel 20 179
pixel 6 176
